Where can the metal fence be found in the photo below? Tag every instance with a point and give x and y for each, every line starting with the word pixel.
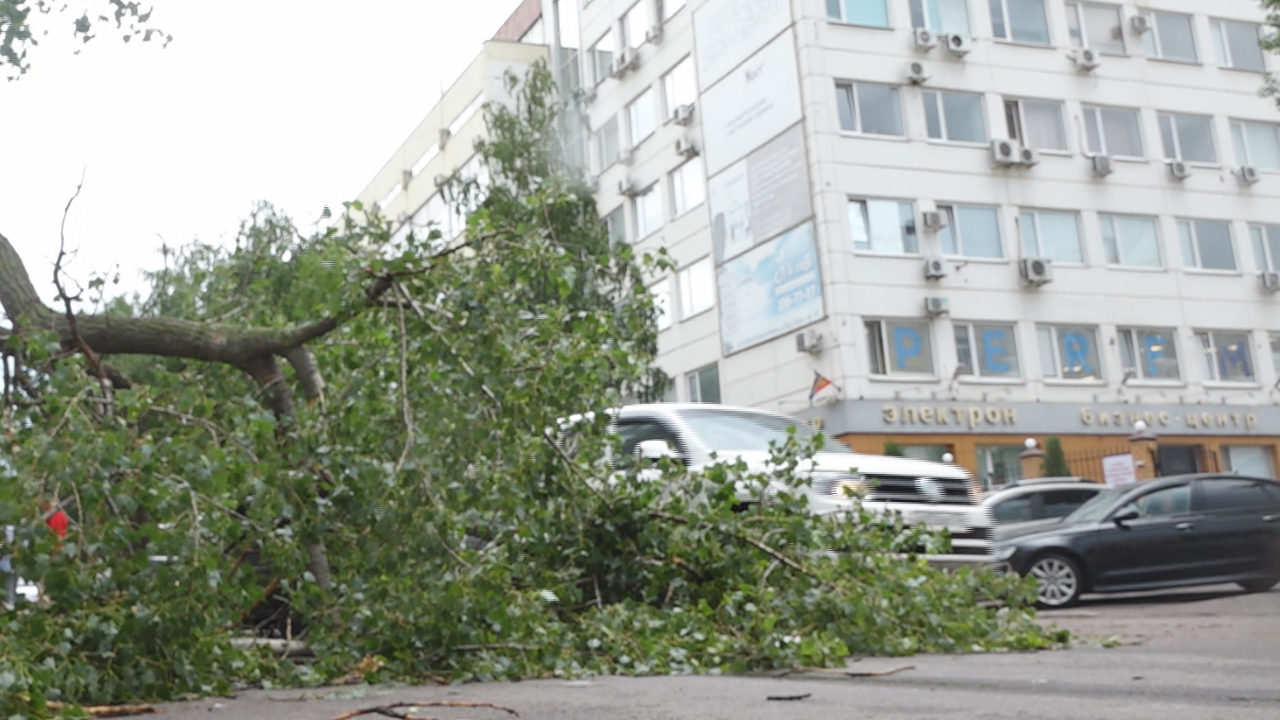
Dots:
pixel 1169 460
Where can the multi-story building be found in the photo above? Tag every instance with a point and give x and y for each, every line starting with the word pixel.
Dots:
pixel 981 220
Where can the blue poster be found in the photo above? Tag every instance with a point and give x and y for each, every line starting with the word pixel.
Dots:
pixel 771 290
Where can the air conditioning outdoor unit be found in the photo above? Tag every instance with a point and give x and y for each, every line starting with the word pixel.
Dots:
pixel 686 148
pixel 441 179
pixel 625 62
pixel 1029 157
pixel 627 188
pixel 1141 24
pixel 935 268
pixel 683 115
pixel 809 341
pixel 1036 271
pixel 1270 281
pixel 959 45
pixel 653 34
pixel 1006 152
pixel 1086 59
pixel 406 177
pixel 1179 170
pixel 933 220
pixel 916 73
pixel 925 39
pixel 1103 165
pixel 935 306
pixel 1249 175
pixel 444 137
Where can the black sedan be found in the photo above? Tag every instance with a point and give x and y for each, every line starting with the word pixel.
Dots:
pixel 1169 532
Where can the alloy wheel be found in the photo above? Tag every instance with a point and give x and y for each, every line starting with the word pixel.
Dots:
pixel 1059 581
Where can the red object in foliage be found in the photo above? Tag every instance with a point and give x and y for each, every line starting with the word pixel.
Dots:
pixel 59 522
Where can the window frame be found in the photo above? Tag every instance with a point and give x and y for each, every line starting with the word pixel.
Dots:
pixel 620 212
pixel 1215 367
pixel 604 159
pixel 848 96
pixel 633 141
pixel 1263 258
pixel 866 219
pixel 666 313
pixel 842 20
pixel 666 11
pixel 975 366
pixel 1115 229
pixel 1100 128
pixel 1035 213
pixel 697 375
pixel 625 22
pixel 684 283
pixel 644 232
pixel 1127 336
pixel 1008 36
pixel 1174 133
pixel 1273 340
pixel 1055 334
pixel 1218 34
pixel 1193 225
pixel 1244 143
pixel 885 361
pixel 953 228
pixel 1080 7
pixel 1019 133
pixel 594 51
pixel 1153 22
pixel 679 209
pixel 940 107
pixel 926 21
pixel 668 87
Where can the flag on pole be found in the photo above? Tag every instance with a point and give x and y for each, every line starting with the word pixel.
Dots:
pixel 820 383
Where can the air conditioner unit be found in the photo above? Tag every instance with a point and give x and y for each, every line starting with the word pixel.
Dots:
pixel 686 148
pixel 1103 165
pixel 1029 156
pixel 1141 24
pixel 916 73
pixel 1086 59
pixel 625 62
pixel 1270 281
pixel 683 115
pixel 653 34
pixel 444 137
pixel 959 45
pixel 935 268
pixel 809 341
pixel 933 220
pixel 1036 271
pixel 1006 152
pixel 935 306
pixel 925 39
pixel 406 177
pixel 1179 169
pixel 1249 175
pixel 627 188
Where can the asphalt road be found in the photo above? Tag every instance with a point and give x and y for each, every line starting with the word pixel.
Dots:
pixel 1211 653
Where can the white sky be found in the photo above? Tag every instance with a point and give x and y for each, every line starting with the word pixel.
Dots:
pixel 292 101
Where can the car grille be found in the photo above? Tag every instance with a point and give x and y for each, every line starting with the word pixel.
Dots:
pixel 898 488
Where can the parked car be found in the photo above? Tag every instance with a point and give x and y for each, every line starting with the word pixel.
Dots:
pixel 1171 532
pixel 937 495
pixel 1039 499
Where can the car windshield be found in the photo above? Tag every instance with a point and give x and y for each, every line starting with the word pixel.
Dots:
pixel 740 430
pixel 1095 508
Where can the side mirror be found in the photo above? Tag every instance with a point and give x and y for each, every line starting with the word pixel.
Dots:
pixel 654 450
pixel 1123 517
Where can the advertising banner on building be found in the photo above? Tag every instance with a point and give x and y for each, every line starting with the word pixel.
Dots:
pixel 726 32
pixel 771 290
pixel 761 196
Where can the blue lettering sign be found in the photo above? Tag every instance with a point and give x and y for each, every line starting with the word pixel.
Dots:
pixel 1234 356
pixel 995 349
pixel 1076 349
pixel 1152 350
pixel 906 345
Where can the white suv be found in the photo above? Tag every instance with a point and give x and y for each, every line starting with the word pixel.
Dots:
pixel 933 494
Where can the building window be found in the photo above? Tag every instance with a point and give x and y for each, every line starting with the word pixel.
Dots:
pixel 870 109
pixel 899 347
pixel 1131 240
pixel 1096 26
pixel 615 226
pixel 688 187
pixel 1188 137
pixel 999 465
pixel 1206 244
pixel 600 56
pixel 679 86
pixel 971 231
pixel 1069 352
pixel 1036 123
pixel 1257 144
pixel 670 7
pixel 1251 460
pixel 989 351
pixel 1275 351
pixel 661 293
pixel 648 211
pixel 955 116
pixel 932 453
pixel 1052 234
pixel 1021 21
pixel 1237 45
pixel 642 117
pixel 1266 246
pixel 872 13
pixel 635 23
pixel 1226 356
pixel 704 384
pixel 1113 131
pixel 883 226
pixel 605 141
pixel 1149 354
pixel 944 16
pixel 1171 37
pixel 697 288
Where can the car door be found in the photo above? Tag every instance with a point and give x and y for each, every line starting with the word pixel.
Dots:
pixel 1240 522
pixel 1158 547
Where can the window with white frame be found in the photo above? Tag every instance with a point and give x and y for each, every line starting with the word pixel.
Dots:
pixel 697 288
pixel 647 207
pixel 600 57
pixel 988 350
pixel 870 109
pixel 1274 339
pixel 635 23
pixel 1149 353
pixel 872 13
pixel 1249 460
pixel 1170 37
pixel 1132 240
pixel 1036 123
pixel 971 231
pixel 1266 246
pixel 1188 137
pixel 606 144
pixel 688 187
pixel 899 347
pixel 883 226
pixel 642 117
pixel 1113 131
pixel 661 294
pixel 679 86
pixel 1225 356
pixel 943 16
pixel 1097 26
pixel 669 8
pixel 1053 234
pixel 1206 244
pixel 1237 45
pixel 704 384
pixel 1256 143
pixel 1069 352
pixel 955 116
pixel 615 226
pixel 1020 21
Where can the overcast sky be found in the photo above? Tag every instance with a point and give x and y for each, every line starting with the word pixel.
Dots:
pixel 296 102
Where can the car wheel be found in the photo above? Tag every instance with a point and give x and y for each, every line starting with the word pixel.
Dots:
pixel 1256 586
pixel 1059 580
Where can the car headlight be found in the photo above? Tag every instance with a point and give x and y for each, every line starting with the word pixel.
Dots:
pixel 840 484
pixel 1002 554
